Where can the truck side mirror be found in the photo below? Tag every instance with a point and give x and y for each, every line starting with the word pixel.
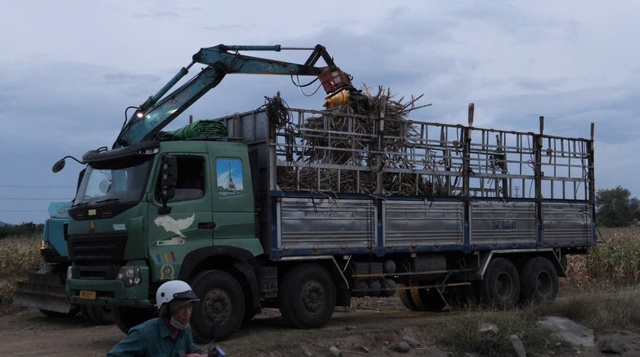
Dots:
pixel 58 166
pixel 168 180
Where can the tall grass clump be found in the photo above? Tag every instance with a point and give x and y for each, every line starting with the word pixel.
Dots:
pixel 464 333
pixel 613 263
pixel 19 256
pixel 617 260
pixel 600 310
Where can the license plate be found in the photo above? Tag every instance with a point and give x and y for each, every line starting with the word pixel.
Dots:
pixel 89 295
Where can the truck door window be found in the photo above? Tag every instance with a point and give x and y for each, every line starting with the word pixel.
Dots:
pixel 230 179
pixel 190 183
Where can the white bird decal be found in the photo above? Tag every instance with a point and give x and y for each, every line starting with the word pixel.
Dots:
pixel 175 226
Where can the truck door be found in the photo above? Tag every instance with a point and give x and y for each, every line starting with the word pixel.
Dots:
pixel 189 225
pixel 233 210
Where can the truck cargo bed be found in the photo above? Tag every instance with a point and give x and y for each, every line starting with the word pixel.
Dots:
pixel 330 182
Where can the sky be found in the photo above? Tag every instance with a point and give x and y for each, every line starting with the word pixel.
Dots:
pixel 69 68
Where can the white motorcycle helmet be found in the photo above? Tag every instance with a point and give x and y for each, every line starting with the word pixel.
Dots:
pixel 172 295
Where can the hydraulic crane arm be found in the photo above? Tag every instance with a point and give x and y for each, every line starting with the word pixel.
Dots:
pixel 156 113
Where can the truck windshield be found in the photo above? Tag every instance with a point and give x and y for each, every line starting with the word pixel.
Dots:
pixel 111 185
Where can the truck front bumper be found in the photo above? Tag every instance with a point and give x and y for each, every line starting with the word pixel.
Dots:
pixel 110 292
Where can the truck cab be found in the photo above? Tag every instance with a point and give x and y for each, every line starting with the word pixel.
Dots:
pixel 128 235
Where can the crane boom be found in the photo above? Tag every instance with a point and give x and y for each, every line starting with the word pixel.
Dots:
pixel 159 110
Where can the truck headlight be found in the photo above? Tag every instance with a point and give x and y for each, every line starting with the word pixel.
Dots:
pixel 129 276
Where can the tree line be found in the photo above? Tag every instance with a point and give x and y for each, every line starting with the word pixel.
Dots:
pixel 24 229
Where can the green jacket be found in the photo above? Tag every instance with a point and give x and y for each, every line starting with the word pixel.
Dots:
pixel 153 339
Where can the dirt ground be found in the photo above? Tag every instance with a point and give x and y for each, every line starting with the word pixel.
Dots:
pixel 368 330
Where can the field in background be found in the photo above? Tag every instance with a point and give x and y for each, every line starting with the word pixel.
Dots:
pixel 18 257
pixel 614 263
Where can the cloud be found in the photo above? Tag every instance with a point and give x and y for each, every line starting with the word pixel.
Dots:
pixel 65 84
pixel 517 22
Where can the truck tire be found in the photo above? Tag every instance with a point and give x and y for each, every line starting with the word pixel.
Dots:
pixel 97 315
pixel 307 296
pixel 539 280
pixel 219 313
pixel 127 317
pixel 500 287
pixel 406 299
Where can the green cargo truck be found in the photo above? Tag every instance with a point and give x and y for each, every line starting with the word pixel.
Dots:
pixel 301 210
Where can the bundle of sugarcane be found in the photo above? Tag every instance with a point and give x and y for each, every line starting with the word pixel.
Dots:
pixel 325 180
pixel 407 184
pixel 341 137
pixel 373 135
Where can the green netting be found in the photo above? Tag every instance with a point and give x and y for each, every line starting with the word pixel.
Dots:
pixel 199 129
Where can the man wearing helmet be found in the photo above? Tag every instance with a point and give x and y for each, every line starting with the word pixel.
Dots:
pixel 167 335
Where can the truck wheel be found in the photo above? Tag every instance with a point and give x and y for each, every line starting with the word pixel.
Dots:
pixel 539 280
pixel 128 317
pixel 219 313
pixel 500 286
pixel 406 299
pixel 97 315
pixel 307 296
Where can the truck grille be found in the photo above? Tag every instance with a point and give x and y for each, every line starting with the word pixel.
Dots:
pixel 97 257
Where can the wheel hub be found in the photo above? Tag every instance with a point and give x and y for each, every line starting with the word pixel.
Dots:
pixel 312 296
pixel 543 283
pixel 217 305
pixel 504 285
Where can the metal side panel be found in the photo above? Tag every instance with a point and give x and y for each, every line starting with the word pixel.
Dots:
pixel 503 223
pixel 326 224
pixel 423 224
pixel 567 224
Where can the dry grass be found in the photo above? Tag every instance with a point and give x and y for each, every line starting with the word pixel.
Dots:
pixel 612 264
pixel 601 288
pixel 463 333
pixel 20 256
pixel 601 311
pixel 600 291
pixel 598 309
